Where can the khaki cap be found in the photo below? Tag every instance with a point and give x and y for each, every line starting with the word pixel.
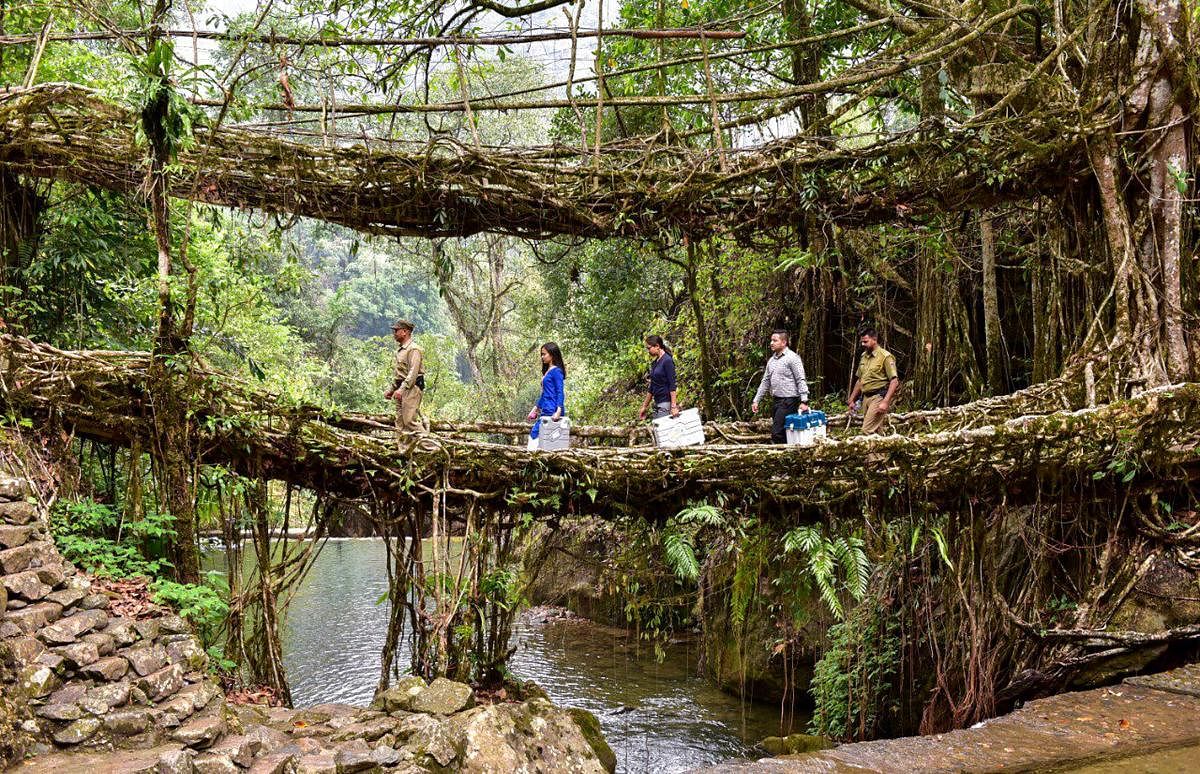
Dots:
pixel 405 324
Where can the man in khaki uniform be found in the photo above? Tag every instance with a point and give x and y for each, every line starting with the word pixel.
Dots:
pixel 877 382
pixel 408 379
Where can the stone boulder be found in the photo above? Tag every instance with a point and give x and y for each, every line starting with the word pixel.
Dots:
pixel 26 585
pixel 68 630
pixel 78 731
pixel 18 512
pixel 444 697
pixel 529 735
pixel 399 697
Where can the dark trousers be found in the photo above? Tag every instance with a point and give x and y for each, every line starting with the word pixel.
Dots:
pixel 783 407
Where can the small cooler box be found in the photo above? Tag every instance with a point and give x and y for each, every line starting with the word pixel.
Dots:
pixel 554 436
pixel 684 430
pixel 804 429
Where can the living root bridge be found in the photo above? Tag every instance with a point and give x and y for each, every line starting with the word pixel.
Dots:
pixel 63 131
pixel 103 395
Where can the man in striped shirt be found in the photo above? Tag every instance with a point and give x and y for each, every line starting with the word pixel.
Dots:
pixel 784 379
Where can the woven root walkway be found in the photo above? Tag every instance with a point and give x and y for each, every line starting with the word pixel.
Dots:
pixel 64 131
pixel 1001 447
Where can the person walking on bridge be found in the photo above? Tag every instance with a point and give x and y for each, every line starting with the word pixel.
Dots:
pixel 408 379
pixel 662 381
pixel 877 382
pixel 784 379
pixel 552 402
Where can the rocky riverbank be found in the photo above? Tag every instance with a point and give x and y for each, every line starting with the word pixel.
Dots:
pixel 89 681
pixel 1141 715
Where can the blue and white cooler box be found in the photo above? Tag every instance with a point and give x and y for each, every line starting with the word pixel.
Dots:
pixel 553 436
pixel 804 429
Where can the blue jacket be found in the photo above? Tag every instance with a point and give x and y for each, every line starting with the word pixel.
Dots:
pixel 553 395
pixel 662 378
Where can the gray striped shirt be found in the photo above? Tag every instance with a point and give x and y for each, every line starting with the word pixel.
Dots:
pixel 784 377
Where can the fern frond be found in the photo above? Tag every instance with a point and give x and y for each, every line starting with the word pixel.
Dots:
pixel 681 555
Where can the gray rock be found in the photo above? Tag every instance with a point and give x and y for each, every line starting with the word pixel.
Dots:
pixel 146 658
pixel 60 712
pixel 8 629
pixel 66 597
pixel 430 736
pixel 173 624
pixel 54 661
pixel 51 573
pixel 128 722
pixel 400 696
pixel 200 694
pixel 69 629
pixel 370 730
pixel 187 651
pixel 79 654
pixel 531 734
pixel 27 586
pixel 103 642
pixel 161 684
pixel 36 681
pixel 13 488
pixel 138 696
pixel 30 555
pixel 103 698
pixel 239 749
pixel 95 602
pixel 122 631
pixel 147 629
pixel 35 618
pixel 444 697
pixel 12 536
pixel 353 756
pixel 274 763
pixel 10 604
pixel 71 693
pixel 271 739
pixel 18 512
pixel 317 763
pixel 212 763
pixel 200 731
pixel 25 650
pixel 385 756
pixel 107 669
pixel 79 731
pixel 176 762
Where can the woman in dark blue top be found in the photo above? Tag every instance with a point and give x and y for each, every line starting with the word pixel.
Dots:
pixel 552 403
pixel 662 381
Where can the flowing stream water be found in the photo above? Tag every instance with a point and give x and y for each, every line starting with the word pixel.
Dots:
pixel 657 716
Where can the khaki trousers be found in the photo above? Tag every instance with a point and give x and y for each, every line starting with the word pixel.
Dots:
pixel 873 416
pixel 408 410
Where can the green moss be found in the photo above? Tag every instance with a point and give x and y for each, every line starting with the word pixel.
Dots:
pixel 589 726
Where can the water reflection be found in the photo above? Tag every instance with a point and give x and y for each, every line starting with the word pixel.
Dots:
pixel 657 716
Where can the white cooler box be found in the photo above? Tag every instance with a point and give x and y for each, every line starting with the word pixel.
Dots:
pixel 804 429
pixel 684 430
pixel 552 436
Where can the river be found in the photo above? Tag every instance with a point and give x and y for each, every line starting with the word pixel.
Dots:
pixel 657 716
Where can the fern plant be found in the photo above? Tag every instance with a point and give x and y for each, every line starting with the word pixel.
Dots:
pixel 679 537
pixel 835 564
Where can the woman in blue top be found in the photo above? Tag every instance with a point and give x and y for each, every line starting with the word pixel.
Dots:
pixel 552 403
pixel 662 381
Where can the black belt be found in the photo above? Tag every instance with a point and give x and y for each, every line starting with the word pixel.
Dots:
pixel 880 392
